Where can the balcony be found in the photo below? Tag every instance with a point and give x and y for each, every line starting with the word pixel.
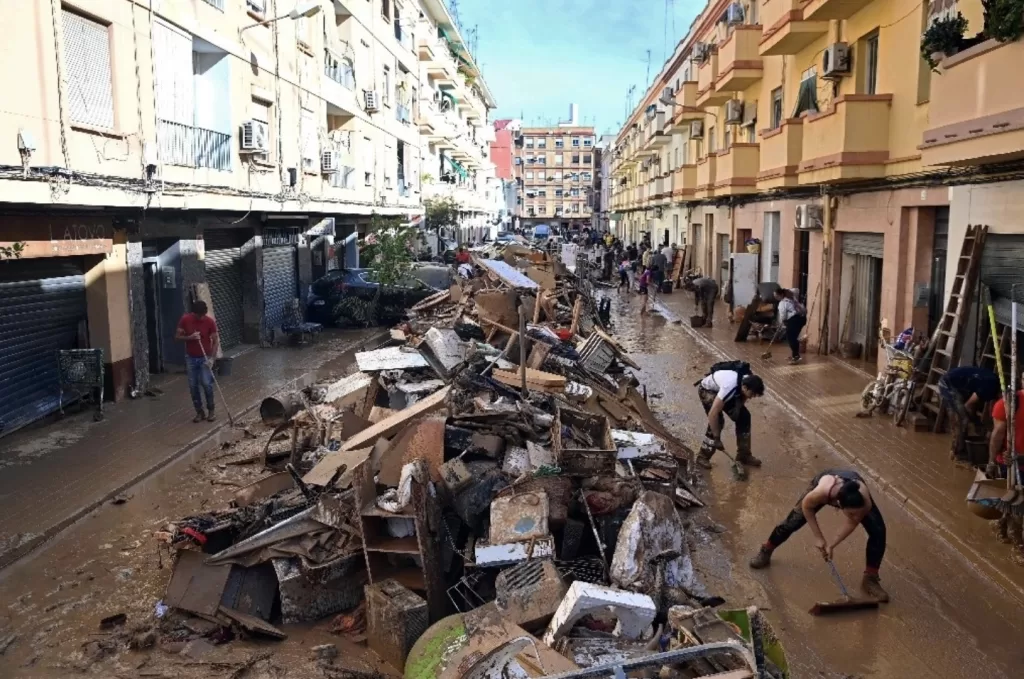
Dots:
pixel 338 88
pixel 190 146
pixel 684 182
pixel 739 63
pixel 659 137
pixel 705 187
pixel 707 74
pixel 786 30
pixel 850 141
pixel 781 153
pixel 426 117
pixel 977 113
pixel 441 68
pixel 686 108
pixel 737 170
pixel 833 10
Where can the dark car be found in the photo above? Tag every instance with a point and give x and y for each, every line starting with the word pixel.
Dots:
pixel 345 297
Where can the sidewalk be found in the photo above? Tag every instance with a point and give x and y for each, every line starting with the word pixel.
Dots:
pixel 53 474
pixel 914 468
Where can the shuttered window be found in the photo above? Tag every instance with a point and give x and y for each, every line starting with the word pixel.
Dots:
pixel 90 87
pixel 175 86
pixel 307 130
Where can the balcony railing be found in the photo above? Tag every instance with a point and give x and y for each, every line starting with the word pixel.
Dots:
pixel 190 146
pixel 344 178
pixel 340 70
pixel 219 4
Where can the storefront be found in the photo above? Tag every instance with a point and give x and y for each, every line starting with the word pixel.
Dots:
pixel 861 284
pixel 224 276
pixel 280 275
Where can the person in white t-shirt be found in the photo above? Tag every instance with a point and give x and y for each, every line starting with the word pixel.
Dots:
pixel 722 392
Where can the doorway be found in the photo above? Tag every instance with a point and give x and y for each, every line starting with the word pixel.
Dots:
pixel 723 260
pixel 697 258
pixel 770 247
pixel 151 276
pixel 803 262
pixel 709 236
pixel 937 283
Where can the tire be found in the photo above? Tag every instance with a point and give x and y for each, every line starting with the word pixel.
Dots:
pixel 902 406
pixel 868 404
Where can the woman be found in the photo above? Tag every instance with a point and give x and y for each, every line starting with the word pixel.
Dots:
pixel 793 315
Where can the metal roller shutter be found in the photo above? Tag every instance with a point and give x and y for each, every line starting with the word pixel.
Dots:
pixel 860 313
pixel 223 258
pixel 870 244
pixel 1001 269
pixel 279 287
pixel 42 303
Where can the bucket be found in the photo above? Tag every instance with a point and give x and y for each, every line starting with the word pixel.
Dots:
pixel 696 321
pixel 224 366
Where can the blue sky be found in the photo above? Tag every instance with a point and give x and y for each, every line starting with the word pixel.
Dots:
pixel 538 56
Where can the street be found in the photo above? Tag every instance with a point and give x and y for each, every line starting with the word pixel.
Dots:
pixel 946 618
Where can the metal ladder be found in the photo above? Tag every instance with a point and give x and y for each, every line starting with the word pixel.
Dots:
pixel 947 342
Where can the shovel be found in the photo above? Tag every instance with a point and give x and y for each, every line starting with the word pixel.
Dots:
pixel 847 603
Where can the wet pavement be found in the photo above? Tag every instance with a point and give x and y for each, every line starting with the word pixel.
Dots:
pixel 948 618
pixel 53 473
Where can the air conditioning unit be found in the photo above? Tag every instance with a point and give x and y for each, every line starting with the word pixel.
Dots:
pixel 734 112
pixel 696 129
pixel 734 14
pixel 371 101
pixel 667 94
pixel 701 52
pixel 835 62
pixel 808 217
pixel 255 136
pixel 329 161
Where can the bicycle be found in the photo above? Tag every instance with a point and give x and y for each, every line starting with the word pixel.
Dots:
pixel 893 389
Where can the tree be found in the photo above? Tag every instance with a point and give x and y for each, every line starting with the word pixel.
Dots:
pixel 386 250
pixel 442 212
pixel 12 251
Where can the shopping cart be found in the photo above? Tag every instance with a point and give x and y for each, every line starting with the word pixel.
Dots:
pixel 81 371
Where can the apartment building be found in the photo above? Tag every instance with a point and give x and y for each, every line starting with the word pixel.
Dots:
pixel 160 150
pixel 554 171
pixel 602 192
pixel 815 127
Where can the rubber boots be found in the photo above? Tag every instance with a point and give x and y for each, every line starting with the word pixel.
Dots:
pixel 762 559
pixel 743 454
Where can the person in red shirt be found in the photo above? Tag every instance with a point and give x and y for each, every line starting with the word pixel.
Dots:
pixel 462 257
pixel 202 344
pixel 998 446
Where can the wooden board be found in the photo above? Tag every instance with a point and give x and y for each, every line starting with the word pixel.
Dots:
pixel 535 379
pixel 390 425
pixel 326 467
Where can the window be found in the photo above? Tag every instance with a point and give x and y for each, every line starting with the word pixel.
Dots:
pixel 558 159
pixel 587 159
pixel 403 188
pixel 677 163
pixel 340 70
pixel 519 161
pixel 586 176
pixel 576 142
pixel 559 143
pixel 259 111
pixel 529 142
pixel 304 31
pixel 368 161
pixel 542 143
pixel 807 98
pixel 574 193
pixel 542 209
pixel 870 44
pixel 558 176
pixel 776 120
pixel 711 140
pixel 588 141
pixel 575 207
pixel 728 138
pixel 529 174
pixel 87 62
pixel 575 159
pixel 575 176
pixel 385 9
pixel 256 6
pixel 386 94
pixel 559 193
pixel 308 136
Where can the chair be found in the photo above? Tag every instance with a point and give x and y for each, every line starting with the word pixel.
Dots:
pixel 294 325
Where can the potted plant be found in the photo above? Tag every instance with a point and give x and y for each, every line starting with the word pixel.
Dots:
pixel 1004 19
pixel 943 38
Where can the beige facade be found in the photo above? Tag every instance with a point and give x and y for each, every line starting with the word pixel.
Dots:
pixel 554 168
pixel 147 137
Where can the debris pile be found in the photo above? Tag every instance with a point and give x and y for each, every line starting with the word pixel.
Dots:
pixel 490 489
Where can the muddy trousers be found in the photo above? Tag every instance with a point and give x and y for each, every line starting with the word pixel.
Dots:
pixel 706 303
pixel 873 524
pixel 952 399
pixel 738 413
pixel 200 383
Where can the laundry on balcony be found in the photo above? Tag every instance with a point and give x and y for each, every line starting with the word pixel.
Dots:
pixel 457 167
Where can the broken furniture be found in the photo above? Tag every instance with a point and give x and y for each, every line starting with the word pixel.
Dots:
pixel 396 618
pixel 583 444
pixel 295 326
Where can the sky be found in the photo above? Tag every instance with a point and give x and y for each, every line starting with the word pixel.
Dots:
pixel 539 56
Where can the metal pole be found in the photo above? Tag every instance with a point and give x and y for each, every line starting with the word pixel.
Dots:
pixel 522 346
pixel 1013 464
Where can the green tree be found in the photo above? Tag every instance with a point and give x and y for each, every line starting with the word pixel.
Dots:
pixel 442 212
pixel 12 251
pixel 386 250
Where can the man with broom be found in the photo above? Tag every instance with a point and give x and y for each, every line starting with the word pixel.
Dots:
pixel 846 491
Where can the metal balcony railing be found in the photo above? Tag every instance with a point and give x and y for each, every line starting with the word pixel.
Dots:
pixel 219 4
pixel 190 146
pixel 340 70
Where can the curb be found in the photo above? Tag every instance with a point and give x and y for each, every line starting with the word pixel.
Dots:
pixel 978 561
pixel 209 440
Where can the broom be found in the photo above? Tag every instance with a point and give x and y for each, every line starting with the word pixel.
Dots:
pixel 847 603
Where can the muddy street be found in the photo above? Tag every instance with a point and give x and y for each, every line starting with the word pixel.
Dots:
pixel 944 620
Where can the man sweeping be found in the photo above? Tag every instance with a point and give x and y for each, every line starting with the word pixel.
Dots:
pixel 846 491
pixel 202 344
pixel 726 390
pixel 705 292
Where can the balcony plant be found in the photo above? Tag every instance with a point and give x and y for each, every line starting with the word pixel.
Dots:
pixel 943 38
pixel 1004 19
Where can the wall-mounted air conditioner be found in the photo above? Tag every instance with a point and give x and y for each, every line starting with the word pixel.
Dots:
pixel 329 161
pixel 734 112
pixel 835 61
pixel 371 101
pixel 734 14
pixel 696 129
pixel 255 136
pixel 808 217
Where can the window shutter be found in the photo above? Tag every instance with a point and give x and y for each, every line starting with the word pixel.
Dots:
pixel 87 70
pixel 307 129
pixel 175 87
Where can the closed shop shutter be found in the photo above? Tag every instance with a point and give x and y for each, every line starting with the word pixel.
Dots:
pixel 279 283
pixel 870 244
pixel 860 313
pixel 223 258
pixel 42 303
pixel 1001 269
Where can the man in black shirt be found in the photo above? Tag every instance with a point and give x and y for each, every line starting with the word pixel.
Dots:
pixel 967 390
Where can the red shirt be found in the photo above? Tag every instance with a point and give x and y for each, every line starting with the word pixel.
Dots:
pixel 999 414
pixel 462 258
pixel 205 326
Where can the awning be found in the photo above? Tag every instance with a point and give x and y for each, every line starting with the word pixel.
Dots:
pixel 457 167
pixel 449 96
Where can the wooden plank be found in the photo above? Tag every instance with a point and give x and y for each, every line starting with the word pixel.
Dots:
pixel 390 425
pixel 577 309
pixel 324 470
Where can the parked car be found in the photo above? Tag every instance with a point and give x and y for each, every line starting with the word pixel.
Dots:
pixel 504 237
pixel 344 297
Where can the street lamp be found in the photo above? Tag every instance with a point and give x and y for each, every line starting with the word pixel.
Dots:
pixel 303 9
